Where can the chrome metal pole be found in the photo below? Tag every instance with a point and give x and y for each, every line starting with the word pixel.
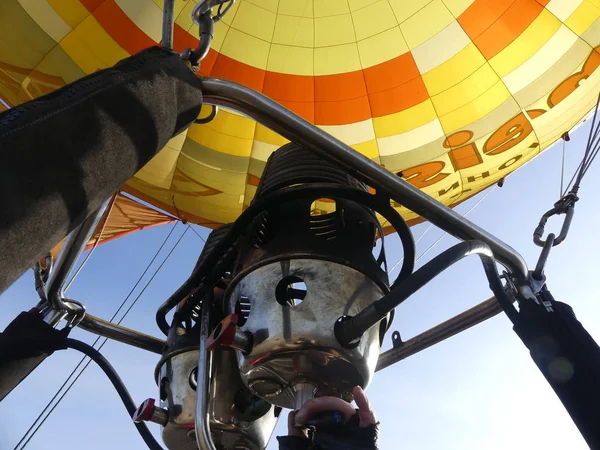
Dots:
pixel 121 334
pixel 443 331
pixel 293 127
pixel 203 436
pixel 167 24
pixel 71 250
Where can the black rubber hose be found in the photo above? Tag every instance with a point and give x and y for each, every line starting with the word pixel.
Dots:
pixel 349 329
pixel 114 378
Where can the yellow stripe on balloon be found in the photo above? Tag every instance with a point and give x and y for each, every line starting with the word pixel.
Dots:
pixel 326 8
pixel 527 44
pixel 370 149
pixel 457 7
pixel 583 17
pixel 159 170
pixel 227 133
pixel 475 110
pixel 261 150
pixel 352 133
pixel 541 61
pixel 71 11
pixel 263 134
pixel 563 9
pixel 298 8
pixel 404 121
pixel 377 49
pixel 254 21
pixel 334 30
pixel 337 59
pixel 291 60
pixel 441 47
pixel 246 49
pixel 184 18
pixel 269 5
pixel 296 31
pixel 466 91
pixel 426 23
pixel 47 18
pixel 453 71
pixel 146 15
pixel 90 46
pixel 410 140
pixel 373 19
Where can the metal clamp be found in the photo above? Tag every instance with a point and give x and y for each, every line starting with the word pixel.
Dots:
pixel 566 206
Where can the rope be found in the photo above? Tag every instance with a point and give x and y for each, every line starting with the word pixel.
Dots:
pixel 445 233
pixel 35 426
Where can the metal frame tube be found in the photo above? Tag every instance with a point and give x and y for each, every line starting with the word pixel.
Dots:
pixel 291 126
pixel 203 436
pixel 168 24
pixel 122 334
pixel 471 317
pixel 72 249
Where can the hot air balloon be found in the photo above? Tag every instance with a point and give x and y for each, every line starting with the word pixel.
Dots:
pixel 439 99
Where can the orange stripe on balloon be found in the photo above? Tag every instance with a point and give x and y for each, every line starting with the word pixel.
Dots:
pixel 182 39
pixel 121 28
pixel 492 34
pixel 481 15
pixel 399 98
pixel 391 74
pixel 341 86
pixel 295 88
pixel 306 110
pixel 510 26
pixel 342 112
pixel 91 5
pixel 231 69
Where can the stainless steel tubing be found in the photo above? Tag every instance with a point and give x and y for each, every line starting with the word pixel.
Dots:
pixel 167 24
pixel 72 249
pixel 121 334
pixel 203 436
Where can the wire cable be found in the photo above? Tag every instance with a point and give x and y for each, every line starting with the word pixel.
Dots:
pixel 35 426
pixel 96 242
pixel 119 386
pixel 592 149
pixel 562 169
pixel 197 234
pixel 445 233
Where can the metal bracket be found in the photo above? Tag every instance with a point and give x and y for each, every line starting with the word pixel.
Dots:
pixel 396 340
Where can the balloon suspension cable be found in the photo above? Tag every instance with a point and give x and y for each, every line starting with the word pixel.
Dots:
pixel 566 204
pixel 96 242
pixel 74 376
pixel 437 241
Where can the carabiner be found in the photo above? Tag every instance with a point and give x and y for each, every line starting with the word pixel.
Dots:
pixel 568 210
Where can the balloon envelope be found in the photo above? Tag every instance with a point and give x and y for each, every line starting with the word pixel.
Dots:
pixel 451 95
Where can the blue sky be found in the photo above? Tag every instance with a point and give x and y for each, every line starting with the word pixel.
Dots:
pixel 477 390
